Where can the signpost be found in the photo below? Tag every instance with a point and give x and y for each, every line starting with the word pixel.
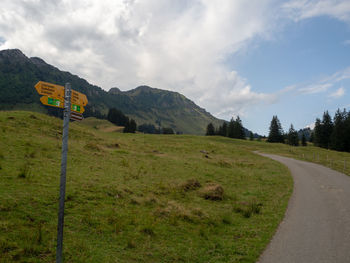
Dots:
pixel 72 102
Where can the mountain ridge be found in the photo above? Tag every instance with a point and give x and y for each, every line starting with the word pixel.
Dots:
pixel 145 104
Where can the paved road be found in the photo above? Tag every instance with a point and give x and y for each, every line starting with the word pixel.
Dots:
pixel 316 227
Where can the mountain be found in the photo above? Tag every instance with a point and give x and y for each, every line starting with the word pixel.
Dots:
pixel 19 74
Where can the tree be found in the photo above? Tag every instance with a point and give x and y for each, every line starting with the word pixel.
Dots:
pixel 251 136
pixel 326 131
pixel 168 131
pixel 230 128
pixel 130 127
pixel 337 140
pixel 347 132
pixel 133 126
pixel 317 132
pixel 312 136
pixel 210 130
pixel 222 131
pixel 238 130
pixel 147 128
pixel 235 129
pixel 276 131
pixel 303 140
pixel 117 117
pixel 292 136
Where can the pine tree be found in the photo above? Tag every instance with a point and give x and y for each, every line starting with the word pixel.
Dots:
pixel 326 130
pixel 117 117
pixel 292 136
pixel 231 128
pixel 312 137
pixel 210 130
pixel 347 132
pixel 303 140
pixel 338 135
pixel 223 131
pixel 133 126
pixel 317 132
pixel 276 131
pixel 239 129
pixel 251 136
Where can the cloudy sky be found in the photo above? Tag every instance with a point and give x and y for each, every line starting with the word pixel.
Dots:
pixel 252 58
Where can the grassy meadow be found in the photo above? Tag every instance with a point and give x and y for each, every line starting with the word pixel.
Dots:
pixel 135 197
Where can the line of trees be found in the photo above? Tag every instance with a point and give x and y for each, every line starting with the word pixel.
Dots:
pixel 276 134
pixel 232 129
pixel 333 134
pixel 118 118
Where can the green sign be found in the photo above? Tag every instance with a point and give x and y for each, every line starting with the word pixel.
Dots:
pixel 76 107
pixel 54 102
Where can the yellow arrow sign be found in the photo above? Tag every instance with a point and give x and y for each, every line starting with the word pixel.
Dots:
pixel 78 98
pixel 49 89
pixel 57 91
pixel 48 101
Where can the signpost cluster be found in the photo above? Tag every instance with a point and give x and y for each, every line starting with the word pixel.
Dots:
pixel 73 103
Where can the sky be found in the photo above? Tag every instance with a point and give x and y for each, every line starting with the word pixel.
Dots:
pixel 254 58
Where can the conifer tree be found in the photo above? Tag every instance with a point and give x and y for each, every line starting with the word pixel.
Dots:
pixel 231 128
pixel 317 132
pixel 337 140
pixel 251 136
pixel 327 128
pixel 292 136
pixel 223 131
pixel 210 130
pixel 347 132
pixel 276 131
pixel 303 140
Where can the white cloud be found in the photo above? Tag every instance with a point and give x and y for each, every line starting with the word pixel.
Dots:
pixel 338 93
pixel 325 84
pixel 315 88
pixel 176 45
pixel 303 9
pixel 311 126
pixel 346 42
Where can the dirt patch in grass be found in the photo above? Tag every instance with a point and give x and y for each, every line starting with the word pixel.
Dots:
pixel 191 184
pixel 92 147
pixel 176 210
pixel 212 191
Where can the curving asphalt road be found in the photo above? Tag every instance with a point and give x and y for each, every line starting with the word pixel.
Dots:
pixel 316 227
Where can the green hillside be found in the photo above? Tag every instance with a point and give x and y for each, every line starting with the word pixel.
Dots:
pixel 19 74
pixel 134 197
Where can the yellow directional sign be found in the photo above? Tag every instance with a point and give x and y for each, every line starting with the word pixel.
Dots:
pixel 57 92
pixel 78 98
pixel 49 89
pixel 48 101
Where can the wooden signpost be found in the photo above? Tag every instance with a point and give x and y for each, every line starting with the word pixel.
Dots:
pixel 72 102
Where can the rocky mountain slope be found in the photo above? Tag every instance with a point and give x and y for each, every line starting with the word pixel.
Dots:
pixel 18 75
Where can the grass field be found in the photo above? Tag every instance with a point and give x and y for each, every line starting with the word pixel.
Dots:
pixel 135 197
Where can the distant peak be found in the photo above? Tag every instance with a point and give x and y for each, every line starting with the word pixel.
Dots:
pixel 114 90
pixel 144 87
pixel 13 53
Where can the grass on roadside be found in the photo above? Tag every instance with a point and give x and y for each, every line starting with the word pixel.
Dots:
pixel 134 197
